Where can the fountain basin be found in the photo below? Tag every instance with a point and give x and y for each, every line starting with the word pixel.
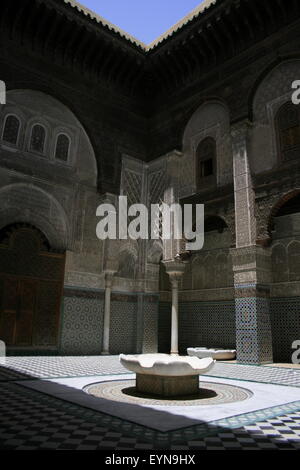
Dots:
pixel 165 375
pixel 214 353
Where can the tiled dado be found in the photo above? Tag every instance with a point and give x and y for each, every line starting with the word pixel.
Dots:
pixel 206 324
pixel 285 321
pixel 133 324
pixel 253 330
pixel 253 325
pixel 82 321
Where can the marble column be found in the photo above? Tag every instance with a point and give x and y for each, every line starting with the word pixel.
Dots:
pixel 2 353
pixel 174 332
pixel 106 326
pixel 175 270
pixel 110 267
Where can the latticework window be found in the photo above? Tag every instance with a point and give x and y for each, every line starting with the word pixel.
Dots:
pixel 62 147
pixel 206 158
pixel 11 130
pixel 38 137
pixel 288 128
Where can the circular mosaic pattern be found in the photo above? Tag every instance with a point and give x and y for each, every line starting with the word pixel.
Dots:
pixel 209 394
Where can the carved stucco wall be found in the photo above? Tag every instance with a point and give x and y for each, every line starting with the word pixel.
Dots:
pixel 285 291
pixel 210 120
pixel 60 198
pixel 206 305
pixel 131 252
pixel 66 200
pixel 273 91
pixel 286 255
pixel 211 268
pixel 268 201
pixel 37 107
pixel 157 183
pixel 208 277
pixel 30 203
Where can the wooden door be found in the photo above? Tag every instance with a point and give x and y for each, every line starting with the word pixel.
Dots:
pixel 31 286
pixel 9 308
pixel 25 313
pixel 17 311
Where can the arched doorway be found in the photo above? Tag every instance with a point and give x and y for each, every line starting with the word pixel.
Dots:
pixel 31 282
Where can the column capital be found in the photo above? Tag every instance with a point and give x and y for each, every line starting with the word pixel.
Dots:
pixel 111 256
pixel 108 275
pixel 108 198
pixel 175 269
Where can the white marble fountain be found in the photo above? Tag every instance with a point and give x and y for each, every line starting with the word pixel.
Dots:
pixel 216 353
pixel 166 375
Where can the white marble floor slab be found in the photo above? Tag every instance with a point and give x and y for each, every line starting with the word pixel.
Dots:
pixel 165 418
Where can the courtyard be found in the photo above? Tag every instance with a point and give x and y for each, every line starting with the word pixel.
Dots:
pixel 102 133
pixel 44 407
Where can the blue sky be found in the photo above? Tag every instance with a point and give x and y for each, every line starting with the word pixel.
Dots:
pixel 144 19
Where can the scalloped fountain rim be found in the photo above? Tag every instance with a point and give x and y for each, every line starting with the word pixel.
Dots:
pixel 166 365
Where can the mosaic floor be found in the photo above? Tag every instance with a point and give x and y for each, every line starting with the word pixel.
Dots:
pixel 31 419
pixel 209 394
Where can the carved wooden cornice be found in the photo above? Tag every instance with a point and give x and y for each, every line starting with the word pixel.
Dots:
pixel 76 39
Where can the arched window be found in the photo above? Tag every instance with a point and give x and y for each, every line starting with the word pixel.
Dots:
pixel 213 223
pixel 38 137
pixel 62 147
pixel 11 130
pixel 206 158
pixel 288 128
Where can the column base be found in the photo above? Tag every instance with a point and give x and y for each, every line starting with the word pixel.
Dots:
pixel 166 386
